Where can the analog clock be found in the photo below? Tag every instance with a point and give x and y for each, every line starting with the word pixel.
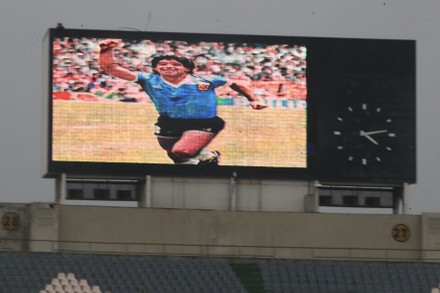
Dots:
pixel 364 135
pixel 365 116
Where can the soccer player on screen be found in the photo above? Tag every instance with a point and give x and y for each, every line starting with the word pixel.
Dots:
pixel 186 103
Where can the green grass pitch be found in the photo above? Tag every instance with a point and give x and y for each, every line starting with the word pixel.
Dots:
pixel 123 133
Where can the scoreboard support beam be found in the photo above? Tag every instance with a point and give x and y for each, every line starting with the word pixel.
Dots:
pixel 60 188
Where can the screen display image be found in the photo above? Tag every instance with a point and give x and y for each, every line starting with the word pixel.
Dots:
pixel 132 103
pixel 178 101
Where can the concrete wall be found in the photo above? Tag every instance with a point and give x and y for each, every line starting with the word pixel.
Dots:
pixel 238 233
pixel 15 222
pixel 287 235
pixel 222 194
pixel 210 194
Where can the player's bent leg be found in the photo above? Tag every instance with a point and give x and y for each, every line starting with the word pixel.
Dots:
pixel 184 143
pixel 191 143
pixel 167 144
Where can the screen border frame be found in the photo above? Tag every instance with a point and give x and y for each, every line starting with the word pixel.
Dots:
pixel 139 170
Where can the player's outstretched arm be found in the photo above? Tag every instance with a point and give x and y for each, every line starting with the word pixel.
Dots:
pixel 108 63
pixel 247 92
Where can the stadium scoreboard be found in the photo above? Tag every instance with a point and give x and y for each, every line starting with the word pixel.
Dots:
pixel 338 109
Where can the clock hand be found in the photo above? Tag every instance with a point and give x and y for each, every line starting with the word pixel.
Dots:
pixel 363 133
pixel 371 139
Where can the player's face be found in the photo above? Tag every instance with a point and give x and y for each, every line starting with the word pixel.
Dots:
pixel 171 68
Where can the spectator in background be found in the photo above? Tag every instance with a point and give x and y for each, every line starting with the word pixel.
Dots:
pixel 285 62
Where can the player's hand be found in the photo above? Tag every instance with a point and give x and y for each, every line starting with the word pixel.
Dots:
pixel 258 105
pixel 109 44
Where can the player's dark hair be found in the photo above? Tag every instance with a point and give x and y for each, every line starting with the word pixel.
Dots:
pixel 186 62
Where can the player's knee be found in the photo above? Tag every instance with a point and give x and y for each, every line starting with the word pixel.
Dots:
pixel 184 152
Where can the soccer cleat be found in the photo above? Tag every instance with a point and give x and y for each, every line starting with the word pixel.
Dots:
pixel 211 160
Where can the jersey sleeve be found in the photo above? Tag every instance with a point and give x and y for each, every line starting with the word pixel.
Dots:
pixel 216 80
pixel 140 78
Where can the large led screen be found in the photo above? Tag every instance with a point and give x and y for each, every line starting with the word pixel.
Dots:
pixel 132 103
pixel 129 102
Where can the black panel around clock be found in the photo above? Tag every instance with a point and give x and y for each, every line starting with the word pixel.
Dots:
pixel 367 86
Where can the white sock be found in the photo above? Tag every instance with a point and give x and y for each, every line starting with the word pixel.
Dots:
pixel 205 155
pixel 192 161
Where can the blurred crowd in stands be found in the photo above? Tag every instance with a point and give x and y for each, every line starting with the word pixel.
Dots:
pixel 274 70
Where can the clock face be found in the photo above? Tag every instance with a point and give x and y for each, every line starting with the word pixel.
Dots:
pixel 364 135
pixel 366 117
pixel 369 141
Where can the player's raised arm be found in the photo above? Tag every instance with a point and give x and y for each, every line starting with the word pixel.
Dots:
pixel 108 63
pixel 247 92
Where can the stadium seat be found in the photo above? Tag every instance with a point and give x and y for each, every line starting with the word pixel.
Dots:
pixel 34 272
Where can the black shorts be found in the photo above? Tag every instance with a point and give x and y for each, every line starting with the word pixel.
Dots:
pixel 175 127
